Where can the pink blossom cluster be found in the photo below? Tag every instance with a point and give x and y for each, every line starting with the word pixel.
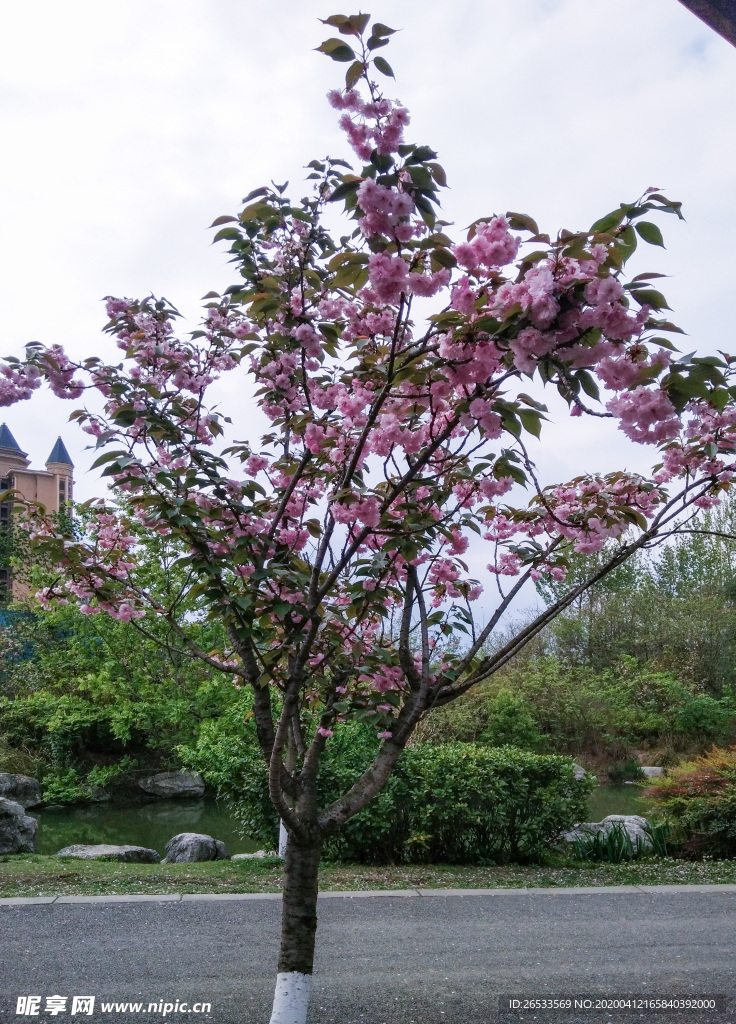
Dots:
pixel 370 124
pixel 18 382
pixel 385 211
pixel 491 247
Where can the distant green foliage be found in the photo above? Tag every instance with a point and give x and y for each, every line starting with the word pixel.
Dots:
pixel 546 705
pixel 698 798
pixel 85 701
pixel 510 722
pixel 673 608
pixel 457 803
pixel 625 771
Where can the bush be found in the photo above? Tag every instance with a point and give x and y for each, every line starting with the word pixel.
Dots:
pixel 469 804
pixel 624 771
pixel 615 844
pixel 458 803
pixel 698 798
pixel 510 722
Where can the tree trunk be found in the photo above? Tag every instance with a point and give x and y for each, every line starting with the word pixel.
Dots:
pixel 298 929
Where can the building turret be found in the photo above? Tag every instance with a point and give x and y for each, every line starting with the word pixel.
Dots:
pixel 10 450
pixel 50 488
pixel 60 464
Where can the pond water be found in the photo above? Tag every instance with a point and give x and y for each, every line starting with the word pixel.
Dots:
pixel 149 824
pixel 605 800
pixel 152 824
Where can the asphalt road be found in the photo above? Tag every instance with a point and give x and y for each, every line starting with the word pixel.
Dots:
pixel 381 960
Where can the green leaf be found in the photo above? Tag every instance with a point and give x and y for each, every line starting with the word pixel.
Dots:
pixel 421 177
pixel 611 220
pixel 358 23
pixel 262 191
pixel 627 241
pixel 382 30
pixel 522 222
pixel 531 421
pixel 438 173
pixel 650 233
pixel 649 297
pixel 336 49
pixel 222 220
pixel 226 233
pixel 588 384
pixel 108 457
pixel 375 42
pixel 444 258
pixel 353 74
pixel 346 188
pixel 383 66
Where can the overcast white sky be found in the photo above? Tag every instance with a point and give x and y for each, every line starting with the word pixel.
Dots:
pixel 129 125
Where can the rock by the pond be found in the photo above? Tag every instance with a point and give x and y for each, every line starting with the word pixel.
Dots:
pixel 21 788
pixel 652 773
pixel 191 846
pixel 17 829
pixel 106 851
pixel 172 784
pixel 634 824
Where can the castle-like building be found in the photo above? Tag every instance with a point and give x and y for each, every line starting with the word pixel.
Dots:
pixel 51 487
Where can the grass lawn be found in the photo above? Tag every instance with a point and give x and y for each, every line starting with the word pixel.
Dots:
pixel 36 875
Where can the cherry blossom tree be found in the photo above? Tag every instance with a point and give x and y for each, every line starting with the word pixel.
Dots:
pixel 400 373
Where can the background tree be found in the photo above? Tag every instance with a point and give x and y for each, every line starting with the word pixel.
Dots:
pixel 396 428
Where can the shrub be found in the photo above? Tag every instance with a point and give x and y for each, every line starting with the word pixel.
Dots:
pixel 463 803
pixel 456 802
pixel 615 844
pixel 624 771
pixel 699 799
pixel 510 722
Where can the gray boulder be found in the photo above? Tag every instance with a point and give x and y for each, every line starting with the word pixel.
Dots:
pixel 254 856
pixel 652 773
pixel 21 788
pixel 105 851
pixel 578 772
pixel 634 824
pixel 192 846
pixel 173 784
pixel 17 829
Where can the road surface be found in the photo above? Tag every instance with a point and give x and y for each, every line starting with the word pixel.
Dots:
pixel 441 959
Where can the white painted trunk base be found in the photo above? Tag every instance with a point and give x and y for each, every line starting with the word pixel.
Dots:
pixel 283 839
pixel 291 998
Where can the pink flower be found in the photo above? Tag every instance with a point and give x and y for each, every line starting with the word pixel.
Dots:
pixel 492 246
pixel 388 277
pixel 463 296
pixel 383 208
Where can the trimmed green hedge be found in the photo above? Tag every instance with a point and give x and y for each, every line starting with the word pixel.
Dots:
pixel 459 803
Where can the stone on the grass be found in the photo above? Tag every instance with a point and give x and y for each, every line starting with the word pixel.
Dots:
pixel 192 846
pixel 634 824
pixel 106 851
pixel 254 856
pixel 578 772
pixel 21 788
pixel 17 829
pixel 652 773
pixel 173 784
